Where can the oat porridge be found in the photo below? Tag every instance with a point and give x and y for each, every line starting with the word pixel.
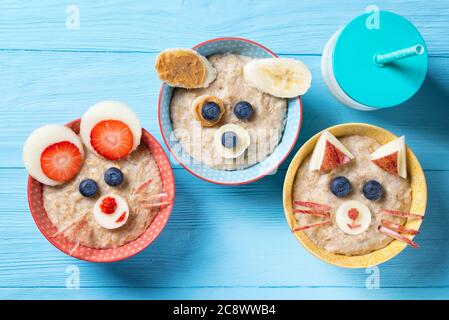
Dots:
pixel 344 199
pixel 101 188
pixel 65 203
pixel 264 125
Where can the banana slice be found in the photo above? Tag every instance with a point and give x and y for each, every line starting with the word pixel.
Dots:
pixel 184 68
pixel 231 140
pixel 111 211
pixel 353 217
pixel 283 78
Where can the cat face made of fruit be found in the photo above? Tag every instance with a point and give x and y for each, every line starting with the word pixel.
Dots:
pixel 54 155
pixel 354 216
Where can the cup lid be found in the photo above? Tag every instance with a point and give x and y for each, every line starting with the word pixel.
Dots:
pixel 364 80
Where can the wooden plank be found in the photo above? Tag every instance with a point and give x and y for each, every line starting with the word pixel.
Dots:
pixel 217 236
pixel 287 293
pixel 123 25
pixel 221 242
pixel 58 87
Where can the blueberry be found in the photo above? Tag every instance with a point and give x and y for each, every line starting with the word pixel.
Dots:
pixel 340 186
pixel 243 110
pixel 113 177
pixel 229 139
pixel 88 188
pixel 210 111
pixel 373 190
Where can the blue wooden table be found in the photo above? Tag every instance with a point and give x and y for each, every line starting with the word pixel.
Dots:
pixel 220 242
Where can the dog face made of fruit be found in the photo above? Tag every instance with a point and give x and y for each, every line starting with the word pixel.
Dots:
pixel 186 68
pixel 282 78
pixel 230 140
pixel 54 154
pixel 354 217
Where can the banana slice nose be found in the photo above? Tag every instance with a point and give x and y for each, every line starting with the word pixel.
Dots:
pixel 353 217
pixel 231 140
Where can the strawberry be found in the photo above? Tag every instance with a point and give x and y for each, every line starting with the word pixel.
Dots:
pixel 122 217
pixel 112 139
pixel 61 161
pixel 353 214
pixel 388 163
pixel 333 157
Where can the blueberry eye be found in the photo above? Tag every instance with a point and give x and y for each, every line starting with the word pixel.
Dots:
pixel 113 177
pixel 210 111
pixel 340 186
pixel 88 188
pixel 243 110
pixel 373 190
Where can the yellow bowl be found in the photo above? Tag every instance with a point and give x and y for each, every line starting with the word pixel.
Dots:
pixel 419 197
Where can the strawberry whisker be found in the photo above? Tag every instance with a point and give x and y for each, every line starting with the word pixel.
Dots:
pixel 402 214
pixel 313 205
pixel 158 204
pixel 312 225
pixel 79 227
pixel 143 186
pixel 149 197
pixel 398 227
pixel 72 251
pixel 312 213
pixel 69 226
pixel 397 236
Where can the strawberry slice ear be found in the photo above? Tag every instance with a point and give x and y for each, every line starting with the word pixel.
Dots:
pixel 392 158
pixel 53 154
pixel 110 129
pixel 112 139
pixel 61 161
pixel 329 153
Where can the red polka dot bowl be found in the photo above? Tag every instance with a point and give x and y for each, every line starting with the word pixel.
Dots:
pixel 81 252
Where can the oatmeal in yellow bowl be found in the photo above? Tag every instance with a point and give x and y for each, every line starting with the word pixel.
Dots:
pixel 355 195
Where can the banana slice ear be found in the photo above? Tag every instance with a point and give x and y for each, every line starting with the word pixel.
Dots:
pixel 283 78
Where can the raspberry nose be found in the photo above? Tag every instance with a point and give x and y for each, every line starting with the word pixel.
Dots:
pixel 353 213
pixel 353 217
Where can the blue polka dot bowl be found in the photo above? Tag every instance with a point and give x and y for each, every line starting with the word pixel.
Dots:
pixel 236 177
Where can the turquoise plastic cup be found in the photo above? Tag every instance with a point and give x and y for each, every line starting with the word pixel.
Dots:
pixel 378 60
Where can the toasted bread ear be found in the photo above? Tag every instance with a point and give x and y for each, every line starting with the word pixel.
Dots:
pixel 184 68
pixel 392 157
pixel 329 153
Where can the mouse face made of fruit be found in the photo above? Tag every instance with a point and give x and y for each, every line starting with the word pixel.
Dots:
pixel 54 155
pixel 357 209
